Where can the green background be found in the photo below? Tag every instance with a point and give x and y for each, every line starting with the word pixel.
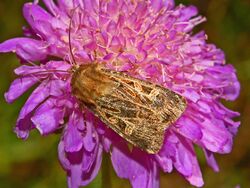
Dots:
pixel 33 163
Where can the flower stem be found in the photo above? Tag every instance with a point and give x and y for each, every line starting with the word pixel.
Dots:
pixel 106 179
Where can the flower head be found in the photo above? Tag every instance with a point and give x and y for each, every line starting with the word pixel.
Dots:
pixel 147 39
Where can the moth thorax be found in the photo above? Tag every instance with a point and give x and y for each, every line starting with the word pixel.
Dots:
pixel 89 82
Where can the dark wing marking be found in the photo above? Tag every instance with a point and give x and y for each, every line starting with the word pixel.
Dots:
pixel 139 111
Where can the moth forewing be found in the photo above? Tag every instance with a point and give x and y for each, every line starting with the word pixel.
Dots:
pixel 139 111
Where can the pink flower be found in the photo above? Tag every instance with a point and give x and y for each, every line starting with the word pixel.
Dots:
pixel 148 40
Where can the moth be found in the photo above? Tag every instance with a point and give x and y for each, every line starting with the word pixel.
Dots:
pixel 139 111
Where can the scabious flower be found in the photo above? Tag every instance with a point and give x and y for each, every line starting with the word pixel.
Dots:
pixel 150 40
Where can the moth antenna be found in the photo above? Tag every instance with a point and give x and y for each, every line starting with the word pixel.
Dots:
pixel 69 35
pixel 48 71
pixel 33 75
pixel 38 79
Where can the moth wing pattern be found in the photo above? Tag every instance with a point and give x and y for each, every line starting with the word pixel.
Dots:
pixel 138 110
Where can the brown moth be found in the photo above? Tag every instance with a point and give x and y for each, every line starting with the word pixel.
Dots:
pixel 139 111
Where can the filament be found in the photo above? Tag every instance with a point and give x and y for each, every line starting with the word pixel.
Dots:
pixel 69 35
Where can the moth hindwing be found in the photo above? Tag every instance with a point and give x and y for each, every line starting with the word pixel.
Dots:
pixel 139 111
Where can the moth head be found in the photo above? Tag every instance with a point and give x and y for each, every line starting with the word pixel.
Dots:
pixel 74 68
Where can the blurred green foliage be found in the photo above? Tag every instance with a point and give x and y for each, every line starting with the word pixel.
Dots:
pixel 33 163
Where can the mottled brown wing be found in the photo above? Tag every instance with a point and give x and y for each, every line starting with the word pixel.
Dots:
pixel 139 111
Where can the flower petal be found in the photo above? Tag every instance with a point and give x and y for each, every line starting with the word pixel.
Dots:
pixel 158 4
pixel 72 136
pixel 33 12
pixel 87 178
pixel 62 156
pixel 215 138
pixel 78 174
pixel 165 162
pixel 188 128
pixel 47 117
pixel 211 160
pixel 74 180
pixel 91 6
pixel 50 4
pixel 89 140
pixel 18 87
pixel 183 156
pixel 24 124
pixel 187 13
pixel 28 49
pixel 135 166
